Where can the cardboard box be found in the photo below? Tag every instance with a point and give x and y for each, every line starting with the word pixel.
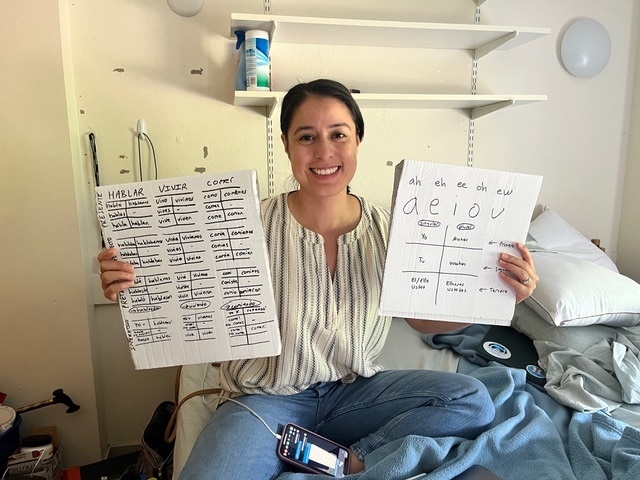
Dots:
pixel 20 465
pixel 449 225
pixel 208 301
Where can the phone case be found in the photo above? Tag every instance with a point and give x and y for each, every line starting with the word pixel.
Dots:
pixel 324 446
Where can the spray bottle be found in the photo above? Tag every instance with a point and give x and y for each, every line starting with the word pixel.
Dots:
pixel 241 73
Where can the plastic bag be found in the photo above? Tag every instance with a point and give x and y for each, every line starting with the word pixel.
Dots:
pixel 156 456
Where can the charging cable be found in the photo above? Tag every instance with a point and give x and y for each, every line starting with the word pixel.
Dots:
pixel 142 135
pixel 227 399
pixel 35 466
pixel 41 454
pixel 253 412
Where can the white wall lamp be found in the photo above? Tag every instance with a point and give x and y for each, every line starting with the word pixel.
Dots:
pixel 585 48
pixel 186 8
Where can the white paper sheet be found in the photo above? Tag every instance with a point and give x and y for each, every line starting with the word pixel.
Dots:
pixel 449 225
pixel 203 289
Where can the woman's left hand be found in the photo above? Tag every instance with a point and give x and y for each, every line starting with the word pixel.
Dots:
pixel 519 273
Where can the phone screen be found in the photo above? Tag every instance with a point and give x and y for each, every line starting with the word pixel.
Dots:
pixel 312 452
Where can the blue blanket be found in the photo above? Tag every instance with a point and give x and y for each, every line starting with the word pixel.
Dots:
pixel 531 437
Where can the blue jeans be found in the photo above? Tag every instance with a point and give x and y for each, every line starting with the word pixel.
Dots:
pixel 362 415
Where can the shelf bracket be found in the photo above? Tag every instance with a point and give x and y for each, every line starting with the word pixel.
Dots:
pixel 483 50
pixel 478 112
pixel 273 103
pixel 271 188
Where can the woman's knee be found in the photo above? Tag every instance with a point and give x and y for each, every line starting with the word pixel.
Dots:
pixel 220 449
pixel 478 402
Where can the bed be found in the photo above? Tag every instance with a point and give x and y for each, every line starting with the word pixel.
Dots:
pixel 584 423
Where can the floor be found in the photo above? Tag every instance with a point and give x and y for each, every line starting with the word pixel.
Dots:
pixel 112 468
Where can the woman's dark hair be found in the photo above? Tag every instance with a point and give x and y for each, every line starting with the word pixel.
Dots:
pixel 319 88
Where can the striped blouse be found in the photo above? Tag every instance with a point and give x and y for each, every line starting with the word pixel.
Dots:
pixel 330 329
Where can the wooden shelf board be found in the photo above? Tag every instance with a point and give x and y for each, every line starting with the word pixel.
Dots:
pixel 375 33
pixel 384 100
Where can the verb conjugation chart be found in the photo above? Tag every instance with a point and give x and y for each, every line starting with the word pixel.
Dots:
pixel 203 289
pixel 449 226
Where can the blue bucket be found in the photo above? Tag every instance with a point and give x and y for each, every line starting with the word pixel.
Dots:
pixel 9 443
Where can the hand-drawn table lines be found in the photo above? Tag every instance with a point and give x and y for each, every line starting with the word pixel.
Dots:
pixel 151 330
pixel 201 269
pixel 433 260
pixel 449 225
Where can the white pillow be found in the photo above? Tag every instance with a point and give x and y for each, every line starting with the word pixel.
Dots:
pixel 579 339
pixel 551 231
pixel 573 292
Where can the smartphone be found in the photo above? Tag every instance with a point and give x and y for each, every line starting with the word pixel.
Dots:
pixel 312 453
pixel 477 472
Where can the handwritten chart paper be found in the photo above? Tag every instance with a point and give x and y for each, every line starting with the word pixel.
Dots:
pixel 449 226
pixel 203 289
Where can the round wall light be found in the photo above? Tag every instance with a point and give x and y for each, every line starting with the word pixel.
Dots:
pixel 586 48
pixel 186 8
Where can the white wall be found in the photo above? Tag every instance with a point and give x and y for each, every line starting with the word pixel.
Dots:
pixel 123 60
pixel 629 235
pixel 577 139
pixel 44 306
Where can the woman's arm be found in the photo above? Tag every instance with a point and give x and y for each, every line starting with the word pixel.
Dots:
pixel 519 274
pixel 114 274
pixel 434 326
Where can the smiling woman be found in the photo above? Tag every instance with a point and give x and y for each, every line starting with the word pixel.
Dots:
pixel 327 250
pixel 322 145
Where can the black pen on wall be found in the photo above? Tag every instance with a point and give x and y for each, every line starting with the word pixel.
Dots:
pixel 96 170
pixel 94 157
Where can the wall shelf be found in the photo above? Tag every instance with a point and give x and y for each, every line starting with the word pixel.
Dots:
pixel 479 39
pixel 475 105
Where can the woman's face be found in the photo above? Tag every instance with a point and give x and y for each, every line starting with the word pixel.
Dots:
pixel 322 145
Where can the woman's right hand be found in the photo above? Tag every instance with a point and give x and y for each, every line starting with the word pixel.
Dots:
pixel 115 275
